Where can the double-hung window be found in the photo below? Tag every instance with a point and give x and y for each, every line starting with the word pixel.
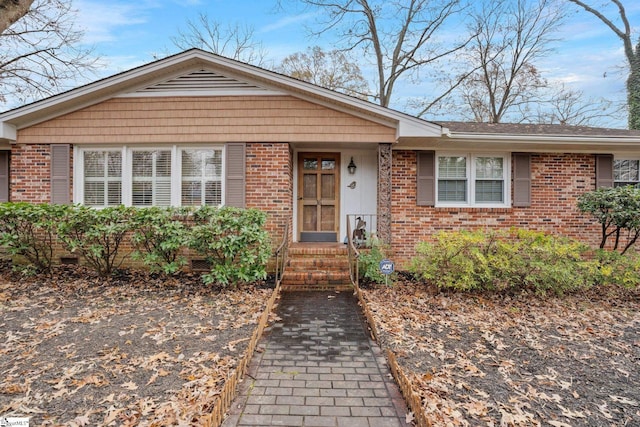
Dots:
pixel 472 180
pixel 102 171
pixel 626 172
pixel 201 177
pixel 140 176
pixel 151 178
pixel 453 178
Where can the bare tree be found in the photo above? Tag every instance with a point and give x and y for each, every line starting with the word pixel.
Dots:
pixel 631 52
pixel 570 107
pixel 234 41
pixel 509 37
pixel 40 54
pixel 11 11
pixel 332 70
pixel 401 36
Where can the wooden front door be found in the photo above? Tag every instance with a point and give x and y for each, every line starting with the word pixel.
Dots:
pixel 318 196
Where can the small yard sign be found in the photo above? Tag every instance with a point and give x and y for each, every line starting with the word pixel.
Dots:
pixel 386 267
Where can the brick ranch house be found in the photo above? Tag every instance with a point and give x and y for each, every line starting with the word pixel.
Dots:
pixel 196 128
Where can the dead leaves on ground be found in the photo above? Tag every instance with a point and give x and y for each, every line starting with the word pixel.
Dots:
pixel 82 352
pixel 526 361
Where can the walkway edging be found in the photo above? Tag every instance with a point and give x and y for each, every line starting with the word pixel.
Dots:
pixel 230 390
pixel 412 399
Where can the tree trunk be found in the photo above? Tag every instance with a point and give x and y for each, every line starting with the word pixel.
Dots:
pixel 11 11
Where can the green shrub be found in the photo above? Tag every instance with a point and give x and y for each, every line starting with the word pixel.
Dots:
pixel 612 268
pixel 369 264
pixel 234 243
pixel 503 261
pixel 617 210
pixel 456 260
pixel 160 234
pixel 544 263
pixel 29 231
pixel 97 235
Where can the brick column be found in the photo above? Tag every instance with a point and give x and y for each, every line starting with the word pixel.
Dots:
pixel 384 193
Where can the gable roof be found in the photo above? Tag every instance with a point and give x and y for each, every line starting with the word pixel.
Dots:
pixel 196 72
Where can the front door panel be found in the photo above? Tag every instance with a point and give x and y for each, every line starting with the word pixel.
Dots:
pixel 318 196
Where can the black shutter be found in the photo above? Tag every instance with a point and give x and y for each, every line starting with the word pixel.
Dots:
pixel 604 170
pixel 60 174
pixel 426 178
pixel 521 180
pixel 235 175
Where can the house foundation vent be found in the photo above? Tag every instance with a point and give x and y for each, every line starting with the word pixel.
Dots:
pixel 200 265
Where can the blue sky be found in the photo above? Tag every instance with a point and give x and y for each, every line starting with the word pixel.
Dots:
pixel 129 33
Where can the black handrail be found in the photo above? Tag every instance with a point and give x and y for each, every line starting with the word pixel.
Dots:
pixel 353 257
pixel 281 254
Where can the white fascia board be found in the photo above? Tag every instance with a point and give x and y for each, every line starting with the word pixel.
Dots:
pixel 528 143
pixel 8 132
pixel 548 143
pixel 414 127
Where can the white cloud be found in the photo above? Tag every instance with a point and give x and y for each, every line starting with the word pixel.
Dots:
pixel 287 21
pixel 101 21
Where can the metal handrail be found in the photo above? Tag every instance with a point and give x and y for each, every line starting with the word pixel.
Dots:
pixel 354 273
pixel 281 254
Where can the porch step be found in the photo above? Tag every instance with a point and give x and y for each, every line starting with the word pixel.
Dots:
pixel 317 267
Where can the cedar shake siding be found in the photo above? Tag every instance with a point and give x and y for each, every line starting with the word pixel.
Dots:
pixel 556 181
pixel 205 119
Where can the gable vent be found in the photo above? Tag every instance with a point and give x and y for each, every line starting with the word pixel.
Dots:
pixel 203 81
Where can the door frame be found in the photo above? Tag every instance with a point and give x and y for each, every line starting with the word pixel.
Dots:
pixel 320 236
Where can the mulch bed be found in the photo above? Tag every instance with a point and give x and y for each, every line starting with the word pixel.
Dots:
pixel 519 360
pixel 136 349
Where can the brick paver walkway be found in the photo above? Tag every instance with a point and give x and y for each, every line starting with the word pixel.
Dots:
pixel 318 367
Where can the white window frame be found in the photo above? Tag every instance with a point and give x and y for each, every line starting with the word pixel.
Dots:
pixel 179 171
pixel 471 179
pixel 127 168
pixel 623 157
pixel 79 178
pixel 153 179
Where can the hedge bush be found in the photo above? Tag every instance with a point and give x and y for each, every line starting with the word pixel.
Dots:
pixel 29 231
pixel 234 243
pixel 518 260
pixel 232 240
pixel 97 235
pixel 160 236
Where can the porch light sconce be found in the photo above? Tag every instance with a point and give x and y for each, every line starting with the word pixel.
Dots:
pixel 352 167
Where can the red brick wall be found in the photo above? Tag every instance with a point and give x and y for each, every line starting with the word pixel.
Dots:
pixel 269 184
pixel 556 182
pixel 30 173
pixel 30 170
